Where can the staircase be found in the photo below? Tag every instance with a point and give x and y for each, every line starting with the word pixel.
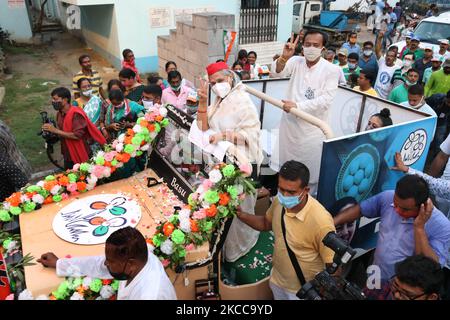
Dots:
pixel 264 50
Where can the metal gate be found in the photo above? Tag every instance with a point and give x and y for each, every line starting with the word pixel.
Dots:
pixel 258 21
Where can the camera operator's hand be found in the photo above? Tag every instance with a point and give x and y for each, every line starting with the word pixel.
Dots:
pixel 49 127
pixel 115 126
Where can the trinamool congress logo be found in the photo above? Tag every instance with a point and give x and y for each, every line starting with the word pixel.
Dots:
pixel 384 77
pixel 414 146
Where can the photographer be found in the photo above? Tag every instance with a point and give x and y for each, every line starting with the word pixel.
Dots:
pixel 75 129
pixel 416 278
pixel 305 222
pixel 409 224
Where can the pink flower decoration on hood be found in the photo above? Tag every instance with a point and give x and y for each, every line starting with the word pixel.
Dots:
pixel 246 169
pixel 65 196
pixel 76 167
pixel 199 215
pixel 207 184
pixel 110 156
pixel 72 187
pixel 98 171
pixel 165 262
pixel 150 117
pixel 190 247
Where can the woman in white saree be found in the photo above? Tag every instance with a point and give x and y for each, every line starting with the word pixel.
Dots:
pixel 233 117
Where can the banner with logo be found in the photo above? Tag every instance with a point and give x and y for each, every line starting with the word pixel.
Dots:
pixel 229 38
pixel 4 280
pixel 358 166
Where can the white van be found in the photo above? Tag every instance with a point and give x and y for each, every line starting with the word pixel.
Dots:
pixel 430 30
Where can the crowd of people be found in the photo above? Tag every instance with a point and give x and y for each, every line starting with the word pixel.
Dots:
pixel 414 232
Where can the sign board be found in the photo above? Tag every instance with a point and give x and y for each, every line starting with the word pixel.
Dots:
pixel 13 4
pixel 160 17
pixel 91 220
pixel 186 14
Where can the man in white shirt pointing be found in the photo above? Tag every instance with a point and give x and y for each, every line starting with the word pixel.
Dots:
pixel 127 259
pixel 312 88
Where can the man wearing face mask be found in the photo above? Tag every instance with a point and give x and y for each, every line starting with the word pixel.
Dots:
pixel 127 259
pixel 176 93
pixel 409 224
pixel 233 118
pixel 414 48
pixel 400 93
pixel 368 60
pixel 306 223
pixel 425 62
pixel 75 129
pixel 312 87
pixel 416 100
pixel 399 76
pixel 151 96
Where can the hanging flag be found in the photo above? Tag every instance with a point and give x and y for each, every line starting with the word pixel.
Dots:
pixel 4 280
pixel 228 41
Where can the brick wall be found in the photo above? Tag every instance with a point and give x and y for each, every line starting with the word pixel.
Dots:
pixel 196 43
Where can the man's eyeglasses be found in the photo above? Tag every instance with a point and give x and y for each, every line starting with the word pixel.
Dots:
pixel 403 295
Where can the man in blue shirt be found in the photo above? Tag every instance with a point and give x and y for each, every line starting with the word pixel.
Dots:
pixel 351 44
pixel 368 60
pixel 408 224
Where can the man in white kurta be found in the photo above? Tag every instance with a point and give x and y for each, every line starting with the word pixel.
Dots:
pixel 312 88
pixel 128 259
pixel 151 283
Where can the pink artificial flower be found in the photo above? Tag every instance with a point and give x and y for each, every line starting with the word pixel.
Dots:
pixel 207 184
pixel 10 297
pixel 115 143
pixel 190 247
pixel 74 194
pixel 98 171
pixel 200 214
pixel 110 156
pixel 76 167
pixel 64 196
pixel 195 196
pixel 165 262
pixel 246 169
pixel 150 117
pixel 72 187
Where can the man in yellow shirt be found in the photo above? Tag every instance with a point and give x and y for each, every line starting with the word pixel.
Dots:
pixel 307 223
pixel 365 81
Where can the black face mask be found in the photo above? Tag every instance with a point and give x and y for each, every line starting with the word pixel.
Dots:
pixel 121 276
pixel 57 105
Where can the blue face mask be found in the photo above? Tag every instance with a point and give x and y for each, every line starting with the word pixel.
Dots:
pixel 289 202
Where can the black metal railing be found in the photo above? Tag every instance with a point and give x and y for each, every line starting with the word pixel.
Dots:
pixel 258 21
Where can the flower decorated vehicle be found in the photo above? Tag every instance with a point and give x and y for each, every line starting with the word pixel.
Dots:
pixel 184 214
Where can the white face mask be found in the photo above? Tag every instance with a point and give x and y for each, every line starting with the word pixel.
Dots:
pixel 368 52
pixel 222 89
pixel 407 63
pixel 312 53
pixel 147 104
pixel 418 106
pixel 87 93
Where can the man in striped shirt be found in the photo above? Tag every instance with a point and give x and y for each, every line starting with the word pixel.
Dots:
pixel 91 74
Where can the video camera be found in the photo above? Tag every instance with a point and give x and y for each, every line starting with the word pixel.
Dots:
pixel 50 138
pixel 324 286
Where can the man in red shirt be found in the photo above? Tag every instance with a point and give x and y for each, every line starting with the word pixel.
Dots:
pixel 75 129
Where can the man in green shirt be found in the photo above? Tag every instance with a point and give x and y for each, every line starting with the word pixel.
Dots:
pixel 414 49
pixel 400 93
pixel 352 68
pixel 439 81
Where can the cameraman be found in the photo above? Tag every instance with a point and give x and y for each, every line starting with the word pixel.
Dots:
pixel 75 129
pixel 416 278
pixel 307 223
pixel 409 224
